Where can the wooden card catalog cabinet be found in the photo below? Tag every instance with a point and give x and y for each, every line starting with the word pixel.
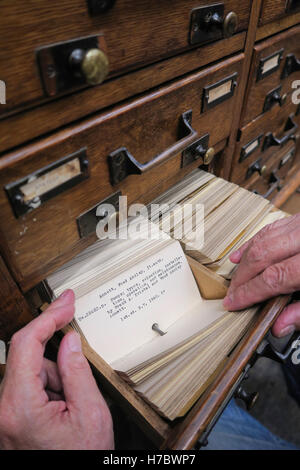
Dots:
pixel 275 67
pixel 115 97
pixel 69 39
pixel 186 118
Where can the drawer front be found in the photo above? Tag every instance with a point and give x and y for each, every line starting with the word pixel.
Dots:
pixel 130 34
pixel 261 138
pixel 277 171
pixel 276 9
pixel 151 129
pixel 275 66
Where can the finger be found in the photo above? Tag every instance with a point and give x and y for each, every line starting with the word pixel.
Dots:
pixel 288 321
pixel 266 252
pixel 275 229
pixel 79 386
pixel 25 358
pixel 280 278
pixel 50 376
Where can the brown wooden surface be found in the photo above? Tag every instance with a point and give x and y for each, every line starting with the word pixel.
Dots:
pixel 274 10
pixel 146 127
pixel 34 122
pixel 292 205
pixel 263 183
pixel 185 435
pixel 136 34
pixel 14 310
pixel 227 161
pixel 288 190
pixel 273 121
pixel 257 91
pixel 38 243
pixel 276 26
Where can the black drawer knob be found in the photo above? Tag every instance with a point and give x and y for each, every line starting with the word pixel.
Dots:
pixel 248 398
pixel 96 7
pixel 227 24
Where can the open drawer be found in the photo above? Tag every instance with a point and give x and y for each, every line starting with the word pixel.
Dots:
pixel 183 433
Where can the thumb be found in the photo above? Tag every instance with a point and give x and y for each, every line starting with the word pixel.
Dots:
pixel 79 386
pixel 288 321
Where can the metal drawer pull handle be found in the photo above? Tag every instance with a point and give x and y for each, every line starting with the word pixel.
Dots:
pixel 122 163
pixel 272 188
pixel 256 166
pixel 292 64
pixel 290 129
pixel 292 5
pixel 210 23
pixel 274 97
pixel 276 184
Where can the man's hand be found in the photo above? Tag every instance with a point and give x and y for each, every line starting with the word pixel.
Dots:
pixel 44 405
pixel 269 265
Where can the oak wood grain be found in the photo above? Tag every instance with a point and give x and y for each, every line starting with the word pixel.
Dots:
pixel 15 311
pixel 227 162
pixel 273 10
pixel 273 121
pixel 136 34
pixel 257 91
pixel 32 122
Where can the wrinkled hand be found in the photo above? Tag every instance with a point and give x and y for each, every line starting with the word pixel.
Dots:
pixel 44 405
pixel 269 265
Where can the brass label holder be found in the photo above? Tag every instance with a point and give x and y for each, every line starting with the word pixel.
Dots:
pixel 31 192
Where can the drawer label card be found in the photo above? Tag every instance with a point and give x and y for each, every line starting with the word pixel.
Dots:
pixel 249 148
pixel 32 191
pixel 269 64
pixel 287 158
pixel 218 92
pixel 37 186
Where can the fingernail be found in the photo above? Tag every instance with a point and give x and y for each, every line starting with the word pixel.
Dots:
pixel 286 331
pixel 74 342
pixel 227 301
pixel 65 295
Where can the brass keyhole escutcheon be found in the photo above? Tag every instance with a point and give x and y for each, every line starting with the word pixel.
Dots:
pixel 230 24
pixel 92 64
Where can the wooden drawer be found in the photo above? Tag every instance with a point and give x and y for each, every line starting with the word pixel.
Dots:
pixel 184 432
pixel 151 125
pixel 261 138
pixel 277 170
pixel 275 66
pixel 276 9
pixel 131 36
